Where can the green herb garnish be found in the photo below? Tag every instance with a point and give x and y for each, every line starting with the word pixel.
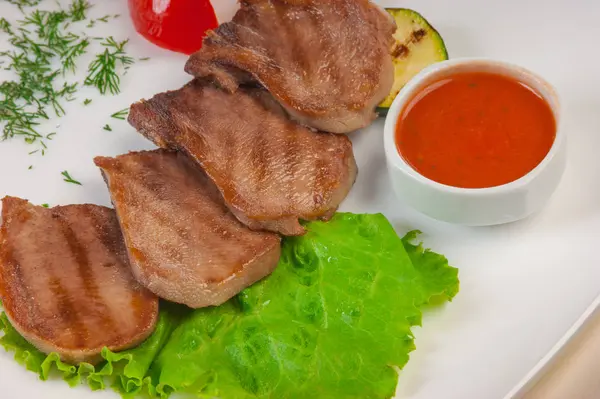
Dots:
pixel 87 101
pixel 69 56
pixel 69 179
pixel 102 72
pixel 44 48
pixel 25 3
pixel 122 114
pixel 5 25
pixel 107 128
pixel 46 205
pixel 78 9
pixel 104 19
pixel 37 42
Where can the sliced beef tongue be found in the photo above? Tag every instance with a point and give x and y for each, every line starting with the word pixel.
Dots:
pixel 184 244
pixel 271 172
pixel 66 283
pixel 327 62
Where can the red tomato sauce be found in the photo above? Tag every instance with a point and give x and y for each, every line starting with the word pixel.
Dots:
pixel 475 130
pixel 178 25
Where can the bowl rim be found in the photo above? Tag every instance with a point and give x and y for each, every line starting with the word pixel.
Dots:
pixel 414 85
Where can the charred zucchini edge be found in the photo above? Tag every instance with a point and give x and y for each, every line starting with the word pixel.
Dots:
pixel 416 32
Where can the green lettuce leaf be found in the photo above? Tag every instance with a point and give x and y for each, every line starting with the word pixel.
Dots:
pixel 439 282
pixel 332 321
pixel 130 368
pixel 127 370
pixel 27 355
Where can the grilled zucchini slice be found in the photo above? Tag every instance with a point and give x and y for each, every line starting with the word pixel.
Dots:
pixel 417 45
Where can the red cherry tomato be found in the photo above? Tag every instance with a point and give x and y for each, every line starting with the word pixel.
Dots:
pixel 178 25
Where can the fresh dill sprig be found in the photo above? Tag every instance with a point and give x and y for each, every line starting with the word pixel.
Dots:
pixel 5 26
pixel 25 3
pixel 104 19
pixel 122 114
pixel 144 58
pixel 44 50
pixel 49 28
pixel 69 56
pixel 38 40
pixel 46 205
pixel 69 179
pixel 87 101
pixel 102 72
pixel 78 9
pixel 107 128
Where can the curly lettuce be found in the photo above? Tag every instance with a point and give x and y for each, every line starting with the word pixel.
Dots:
pixel 333 321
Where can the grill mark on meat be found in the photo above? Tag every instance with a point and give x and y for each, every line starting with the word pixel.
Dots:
pixel 286 28
pixel 328 63
pixel 102 232
pixel 157 215
pixel 153 188
pixel 214 260
pixel 87 279
pixel 12 264
pixel 103 235
pixel 160 218
pixel 333 69
pixel 290 169
pixel 53 271
pixel 262 163
pixel 230 162
pixel 222 230
pixel 68 313
pixel 260 156
pixel 320 173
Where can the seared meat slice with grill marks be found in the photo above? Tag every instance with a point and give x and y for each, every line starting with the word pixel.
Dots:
pixel 270 170
pixel 184 244
pixel 327 62
pixel 65 281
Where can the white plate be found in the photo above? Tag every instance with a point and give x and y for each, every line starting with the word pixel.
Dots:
pixel 560 353
pixel 522 285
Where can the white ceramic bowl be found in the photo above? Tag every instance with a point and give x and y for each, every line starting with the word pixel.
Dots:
pixel 483 206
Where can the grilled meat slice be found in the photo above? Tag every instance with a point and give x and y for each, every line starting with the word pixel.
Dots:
pixel 184 244
pixel 65 281
pixel 327 62
pixel 270 170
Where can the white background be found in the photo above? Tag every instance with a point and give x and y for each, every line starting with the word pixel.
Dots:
pixel 522 285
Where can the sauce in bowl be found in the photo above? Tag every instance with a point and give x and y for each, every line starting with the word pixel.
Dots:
pixel 475 130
